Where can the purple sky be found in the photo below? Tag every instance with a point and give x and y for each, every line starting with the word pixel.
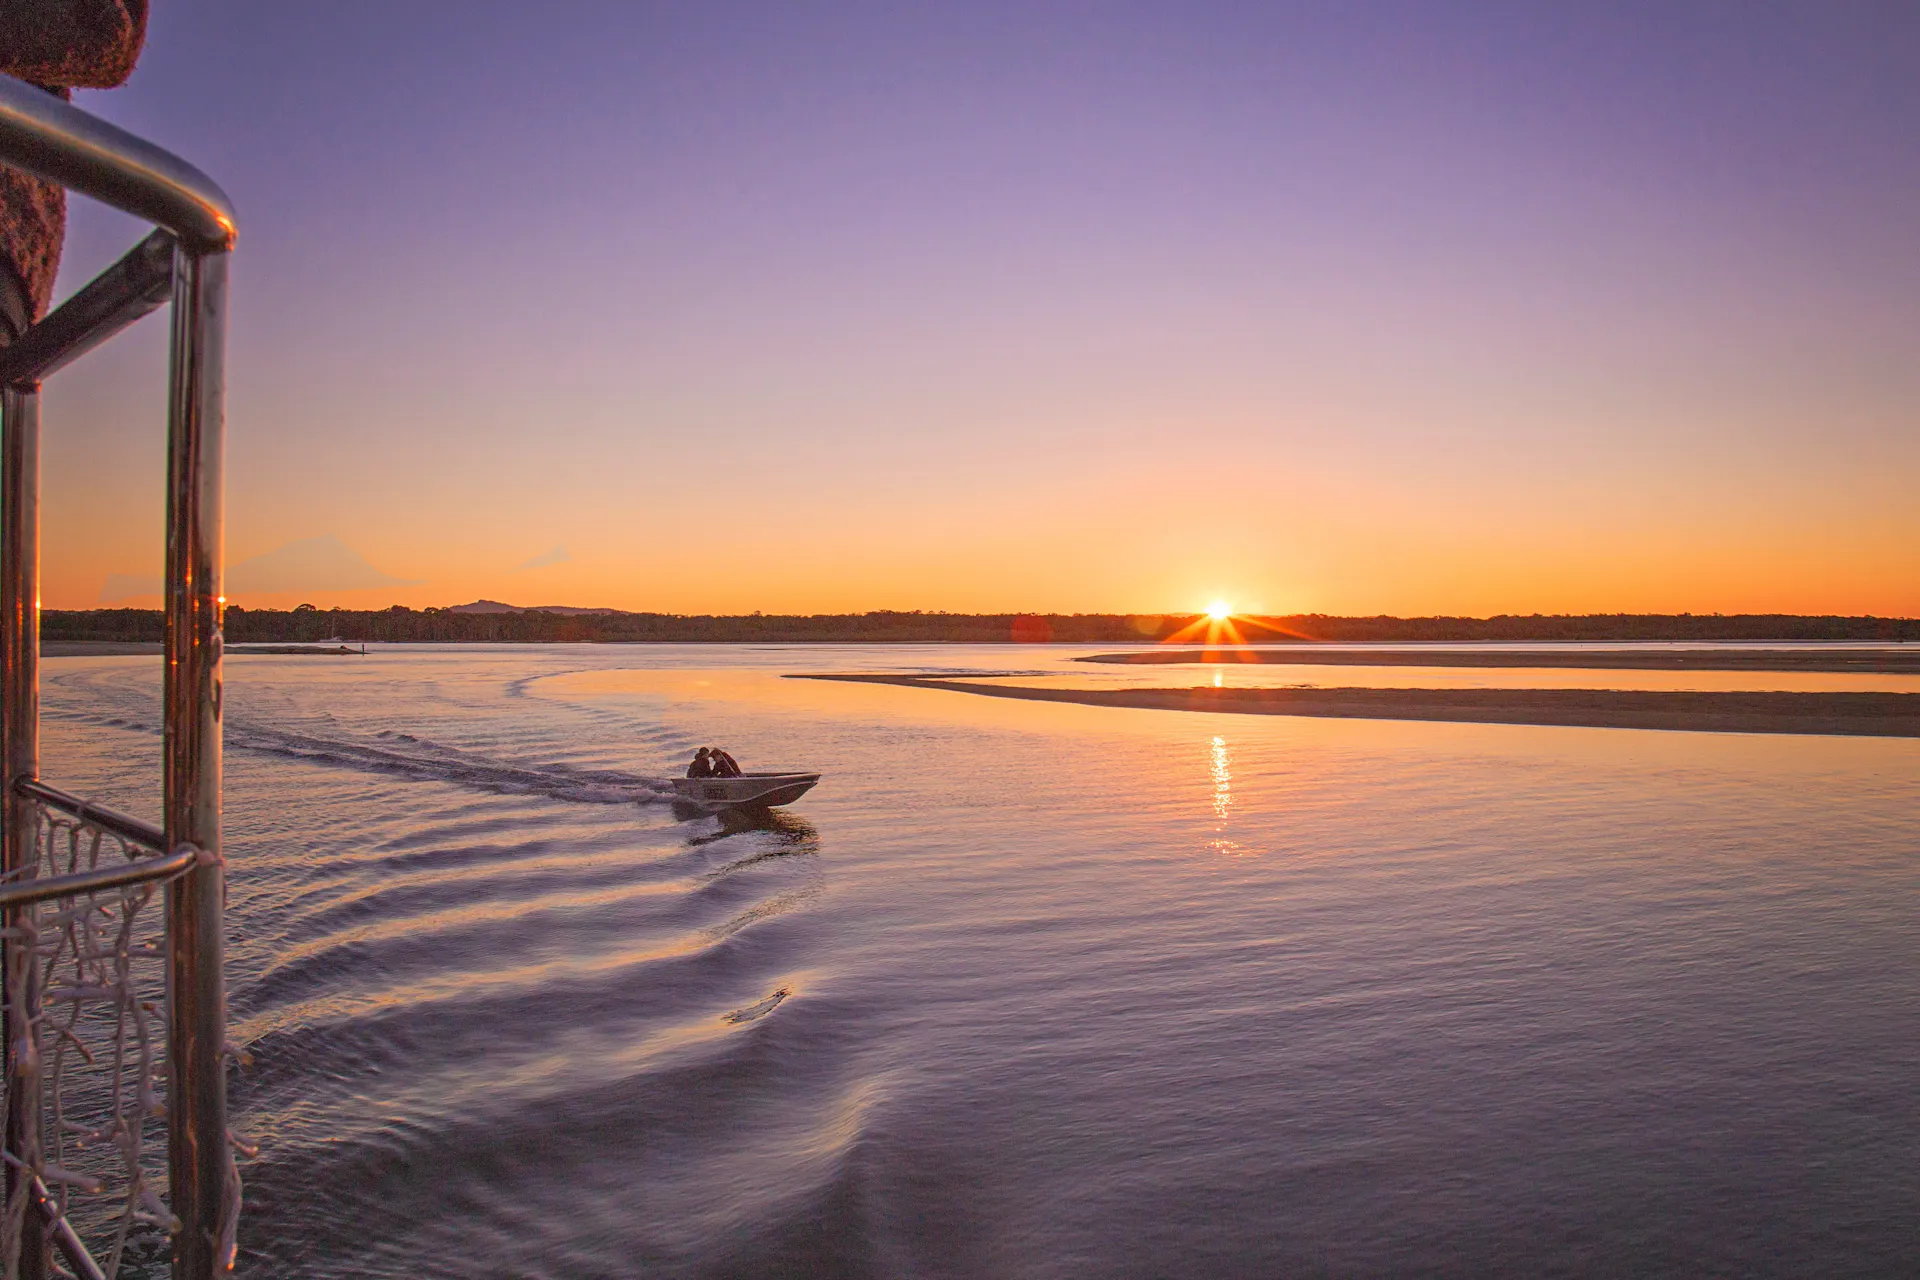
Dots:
pixel 1356 308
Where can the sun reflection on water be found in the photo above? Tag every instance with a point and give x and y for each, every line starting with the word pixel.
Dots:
pixel 1220 769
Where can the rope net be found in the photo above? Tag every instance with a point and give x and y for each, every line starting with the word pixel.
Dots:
pixel 99 1039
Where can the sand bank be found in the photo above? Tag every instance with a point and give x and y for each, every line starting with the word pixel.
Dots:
pixel 322 650
pixel 1895 661
pixel 121 648
pixel 95 648
pixel 1892 715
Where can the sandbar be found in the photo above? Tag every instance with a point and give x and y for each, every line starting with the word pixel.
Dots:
pixel 123 648
pixel 1904 660
pixel 97 648
pixel 1882 715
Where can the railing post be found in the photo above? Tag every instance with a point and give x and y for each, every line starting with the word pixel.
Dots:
pixel 200 1162
pixel 20 757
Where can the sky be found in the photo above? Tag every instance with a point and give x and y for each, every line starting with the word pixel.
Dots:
pixel 1346 308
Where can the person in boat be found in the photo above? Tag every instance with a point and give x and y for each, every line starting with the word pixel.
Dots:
pixel 724 765
pixel 702 766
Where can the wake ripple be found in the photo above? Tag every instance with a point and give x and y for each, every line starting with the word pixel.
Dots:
pixel 111 699
pixel 403 755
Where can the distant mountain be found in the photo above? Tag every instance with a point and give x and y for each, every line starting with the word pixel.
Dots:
pixel 494 606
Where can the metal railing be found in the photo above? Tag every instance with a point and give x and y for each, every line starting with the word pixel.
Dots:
pixel 132 834
pixel 183 262
pixel 99 958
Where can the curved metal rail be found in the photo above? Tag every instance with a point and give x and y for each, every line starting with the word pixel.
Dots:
pixel 132 830
pixel 57 141
pixel 139 871
pixel 184 261
pixel 20 893
pixel 140 282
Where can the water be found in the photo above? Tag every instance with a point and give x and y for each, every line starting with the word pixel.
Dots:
pixel 1036 989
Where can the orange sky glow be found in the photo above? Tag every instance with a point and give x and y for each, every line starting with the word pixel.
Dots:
pixel 1166 313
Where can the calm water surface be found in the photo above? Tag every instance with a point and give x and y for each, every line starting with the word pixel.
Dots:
pixel 1028 989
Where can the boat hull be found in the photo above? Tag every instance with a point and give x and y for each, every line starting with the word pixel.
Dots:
pixel 748 791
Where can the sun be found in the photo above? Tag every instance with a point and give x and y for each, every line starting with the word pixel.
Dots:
pixel 1218 630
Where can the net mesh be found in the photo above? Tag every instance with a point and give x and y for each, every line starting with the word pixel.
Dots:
pixel 99 1041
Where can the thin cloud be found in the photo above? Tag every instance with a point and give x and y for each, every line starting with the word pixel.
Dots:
pixel 128 586
pixel 556 556
pixel 311 564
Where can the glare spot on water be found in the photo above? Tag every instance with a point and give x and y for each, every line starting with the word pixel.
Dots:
pixel 1220 769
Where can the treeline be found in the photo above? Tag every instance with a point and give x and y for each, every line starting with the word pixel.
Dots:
pixel 532 626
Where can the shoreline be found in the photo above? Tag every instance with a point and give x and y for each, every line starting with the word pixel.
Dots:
pixel 98 648
pixel 1879 715
pixel 1843 661
pixel 129 648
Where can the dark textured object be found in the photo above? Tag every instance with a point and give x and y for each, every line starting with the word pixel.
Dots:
pixel 16 308
pixel 60 45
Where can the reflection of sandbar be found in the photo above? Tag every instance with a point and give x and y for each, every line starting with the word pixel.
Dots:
pixel 1892 661
pixel 1889 715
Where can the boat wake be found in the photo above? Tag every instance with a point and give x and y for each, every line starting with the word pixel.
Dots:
pixel 406 755
pixel 463 1003
pixel 103 699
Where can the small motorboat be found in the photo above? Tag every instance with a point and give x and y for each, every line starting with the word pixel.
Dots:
pixel 744 791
